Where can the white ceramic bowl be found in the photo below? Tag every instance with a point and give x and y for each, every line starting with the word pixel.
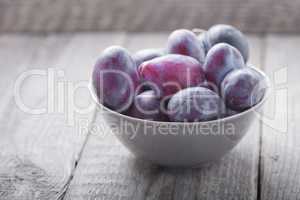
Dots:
pixel 178 143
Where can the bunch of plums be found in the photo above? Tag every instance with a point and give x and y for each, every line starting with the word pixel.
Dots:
pixel 194 78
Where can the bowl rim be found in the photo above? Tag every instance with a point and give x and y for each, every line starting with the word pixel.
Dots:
pixel 255 107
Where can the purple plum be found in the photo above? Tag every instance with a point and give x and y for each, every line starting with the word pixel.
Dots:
pixel 147 105
pixel 115 78
pixel 204 42
pixel 146 54
pixel 220 60
pixel 230 112
pixel 185 42
pixel 222 33
pixel 243 88
pixel 195 104
pixel 171 73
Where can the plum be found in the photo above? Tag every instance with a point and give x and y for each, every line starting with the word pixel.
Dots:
pixel 195 104
pixel 220 60
pixel 146 105
pixel 222 33
pixel 171 73
pixel 115 78
pixel 146 54
pixel 203 42
pixel 185 42
pixel 242 89
pixel 230 112
pixel 210 86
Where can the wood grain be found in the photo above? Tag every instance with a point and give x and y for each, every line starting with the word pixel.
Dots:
pixel 40 152
pixel 10 167
pixel 108 171
pixel 254 16
pixel 280 166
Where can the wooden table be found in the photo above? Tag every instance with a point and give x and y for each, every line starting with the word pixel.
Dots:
pixel 55 152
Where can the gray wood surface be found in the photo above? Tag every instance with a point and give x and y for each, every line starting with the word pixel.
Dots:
pixel 39 152
pixel 254 16
pixel 108 171
pixel 42 158
pixel 280 163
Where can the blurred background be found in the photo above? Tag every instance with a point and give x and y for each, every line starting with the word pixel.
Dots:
pixel 255 16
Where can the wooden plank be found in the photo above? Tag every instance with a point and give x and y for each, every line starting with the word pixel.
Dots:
pixel 108 171
pixel 40 151
pixel 156 15
pixel 16 54
pixel 280 169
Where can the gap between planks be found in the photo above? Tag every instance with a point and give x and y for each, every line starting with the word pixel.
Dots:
pixel 67 184
pixel 262 67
